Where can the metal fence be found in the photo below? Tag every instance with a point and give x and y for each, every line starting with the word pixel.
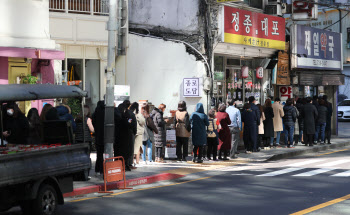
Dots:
pixel 92 7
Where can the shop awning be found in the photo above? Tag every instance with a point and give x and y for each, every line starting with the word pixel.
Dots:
pixel 31 53
pixel 321 79
pixel 26 92
pixel 243 51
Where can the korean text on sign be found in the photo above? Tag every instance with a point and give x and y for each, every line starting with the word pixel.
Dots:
pixel 320 49
pixel 253 29
pixel 191 87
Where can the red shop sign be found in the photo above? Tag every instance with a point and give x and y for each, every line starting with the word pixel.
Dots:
pixel 253 29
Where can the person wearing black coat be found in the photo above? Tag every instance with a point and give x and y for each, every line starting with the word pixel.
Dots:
pixel 160 138
pixel 299 105
pixel 98 119
pixel 268 123
pixel 250 127
pixel 309 114
pixel 256 123
pixel 123 134
pixel 289 119
pixel 328 130
pixel 34 136
pixel 133 130
pixel 321 120
pixel 16 125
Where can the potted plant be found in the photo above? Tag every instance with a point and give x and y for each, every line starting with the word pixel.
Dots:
pixel 29 79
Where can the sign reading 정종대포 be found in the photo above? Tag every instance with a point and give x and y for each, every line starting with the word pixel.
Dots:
pixel 253 29
pixel 314 48
pixel 191 87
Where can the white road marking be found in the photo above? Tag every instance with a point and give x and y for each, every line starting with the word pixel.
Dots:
pixel 342 174
pixel 242 174
pixel 305 162
pixel 315 172
pixel 334 163
pixel 280 172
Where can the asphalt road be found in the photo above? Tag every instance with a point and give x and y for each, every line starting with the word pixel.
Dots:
pixel 290 186
pixel 344 129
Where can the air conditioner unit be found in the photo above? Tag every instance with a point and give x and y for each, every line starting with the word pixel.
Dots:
pixel 273 10
pixel 274 7
pixel 284 8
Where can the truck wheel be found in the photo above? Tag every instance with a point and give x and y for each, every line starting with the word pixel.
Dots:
pixel 46 201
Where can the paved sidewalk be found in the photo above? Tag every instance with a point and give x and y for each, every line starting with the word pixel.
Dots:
pixel 151 173
pixel 282 153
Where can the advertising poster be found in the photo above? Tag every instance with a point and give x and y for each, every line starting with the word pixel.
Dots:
pixel 170 149
pixel 121 93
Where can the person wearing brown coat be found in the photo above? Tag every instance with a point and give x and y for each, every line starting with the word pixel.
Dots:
pixel 277 119
pixel 183 131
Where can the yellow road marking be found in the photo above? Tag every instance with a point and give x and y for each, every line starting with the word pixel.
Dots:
pixel 333 152
pixel 78 200
pixel 326 204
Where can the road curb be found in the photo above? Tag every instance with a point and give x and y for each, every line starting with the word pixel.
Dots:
pixel 129 183
pixel 308 150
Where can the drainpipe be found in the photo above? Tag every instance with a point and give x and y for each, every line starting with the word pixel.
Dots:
pixel 340 22
pixel 109 100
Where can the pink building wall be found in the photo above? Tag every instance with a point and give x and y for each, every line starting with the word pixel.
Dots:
pixel 4 70
pixel 47 72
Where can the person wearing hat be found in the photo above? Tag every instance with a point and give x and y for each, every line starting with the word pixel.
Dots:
pixel 16 125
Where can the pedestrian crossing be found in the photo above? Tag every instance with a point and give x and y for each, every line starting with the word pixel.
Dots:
pixel 308 168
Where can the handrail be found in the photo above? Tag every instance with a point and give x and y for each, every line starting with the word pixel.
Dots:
pixel 92 7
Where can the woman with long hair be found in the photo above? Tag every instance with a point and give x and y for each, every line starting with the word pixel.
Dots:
pixel 44 111
pixel 34 136
pixel 141 123
pixel 148 135
pixel 89 128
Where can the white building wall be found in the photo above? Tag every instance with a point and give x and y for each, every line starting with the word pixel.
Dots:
pixel 155 69
pixel 78 29
pixel 25 23
pixel 177 15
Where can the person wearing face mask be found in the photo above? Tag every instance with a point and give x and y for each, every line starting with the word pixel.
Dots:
pixel 16 125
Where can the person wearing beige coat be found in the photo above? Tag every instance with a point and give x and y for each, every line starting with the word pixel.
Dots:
pixel 141 123
pixel 277 120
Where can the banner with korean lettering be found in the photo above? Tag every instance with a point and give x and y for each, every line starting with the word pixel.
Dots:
pixel 314 48
pixel 253 29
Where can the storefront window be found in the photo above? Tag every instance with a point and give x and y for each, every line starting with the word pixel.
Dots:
pixel 219 63
pixel 234 85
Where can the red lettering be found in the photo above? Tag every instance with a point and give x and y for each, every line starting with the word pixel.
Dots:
pixel 303 7
pixel 283 90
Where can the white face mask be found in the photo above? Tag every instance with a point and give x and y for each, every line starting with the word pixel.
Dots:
pixel 10 112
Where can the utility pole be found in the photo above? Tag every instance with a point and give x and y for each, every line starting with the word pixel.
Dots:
pixel 112 28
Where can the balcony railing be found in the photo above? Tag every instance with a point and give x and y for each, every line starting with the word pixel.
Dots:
pixel 92 7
